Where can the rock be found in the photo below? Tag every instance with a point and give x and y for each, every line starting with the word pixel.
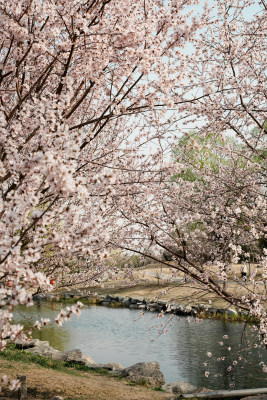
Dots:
pixel 258 397
pixel 232 311
pixel 22 345
pixel 51 296
pixel 148 372
pixel 72 356
pixel 115 372
pixel 152 305
pixel 39 297
pixel 43 350
pixel 93 300
pixel 212 310
pixel 141 306
pixel 203 390
pixel 88 360
pixel 73 293
pixel 188 309
pixel 125 303
pixel 108 298
pixel 57 398
pixel 115 303
pixel 108 367
pixel 133 306
pixel 179 388
pixel 116 366
pixel 105 303
pixel 134 301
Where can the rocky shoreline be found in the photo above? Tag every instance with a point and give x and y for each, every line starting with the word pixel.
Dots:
pixel 148 373
pixel 138 303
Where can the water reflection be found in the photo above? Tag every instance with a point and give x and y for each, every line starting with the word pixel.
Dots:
pixel 118 335
pixel 58 338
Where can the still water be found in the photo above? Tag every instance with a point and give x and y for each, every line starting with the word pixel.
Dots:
pixel 120 335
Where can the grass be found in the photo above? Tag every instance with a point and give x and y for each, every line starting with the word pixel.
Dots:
pixel 228 318
pixel 13 354
pixel 47 378
pixel 158 389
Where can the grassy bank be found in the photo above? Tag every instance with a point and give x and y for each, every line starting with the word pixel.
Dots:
pixel 47 378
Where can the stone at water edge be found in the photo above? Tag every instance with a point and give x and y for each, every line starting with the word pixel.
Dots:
pixel 68 356
pixel 71 356
pixel 88 360
pixel 148 372
pixel 179 387
pixel 108 367
pixel 22 344
pixel 43 350
pixel 116 366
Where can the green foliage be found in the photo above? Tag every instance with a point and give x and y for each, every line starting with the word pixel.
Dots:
pixel 200 153
pixel 158 389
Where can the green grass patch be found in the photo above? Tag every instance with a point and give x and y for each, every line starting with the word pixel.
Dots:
pixel 13 354
pixel 158 389
pixel 228 318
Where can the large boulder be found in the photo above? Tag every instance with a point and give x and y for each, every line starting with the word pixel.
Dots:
pixel 148 372
pixel 23 345
pixel 43 349
pixel 71 356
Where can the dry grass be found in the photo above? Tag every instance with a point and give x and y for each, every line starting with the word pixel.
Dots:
pixel 147 285
pixel 45 383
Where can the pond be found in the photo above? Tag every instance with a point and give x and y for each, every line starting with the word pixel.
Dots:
pixel 120 335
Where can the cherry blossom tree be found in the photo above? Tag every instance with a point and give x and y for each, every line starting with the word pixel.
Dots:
pixel 216 215
pixel 85 85
pixel 81 82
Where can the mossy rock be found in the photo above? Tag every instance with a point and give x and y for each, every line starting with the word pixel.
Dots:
pixel 115 304
pixel 93 300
